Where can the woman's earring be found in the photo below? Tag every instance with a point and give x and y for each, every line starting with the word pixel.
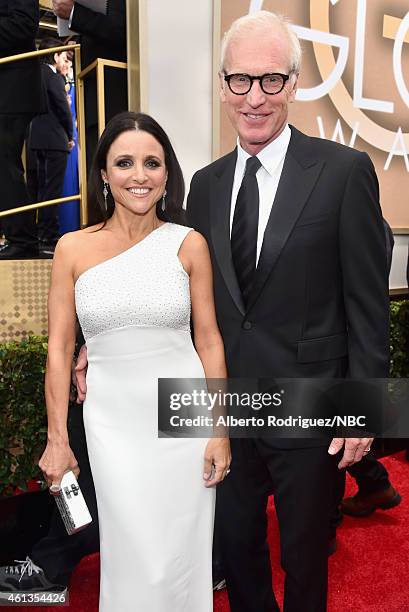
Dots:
pixel 105 193
pixel 164 201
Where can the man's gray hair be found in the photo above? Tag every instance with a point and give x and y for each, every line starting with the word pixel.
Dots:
pixel 264 21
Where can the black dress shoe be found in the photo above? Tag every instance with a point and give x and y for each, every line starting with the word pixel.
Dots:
pixel 332 546
pixel 46 250
pixel 12 251
pixel 363 504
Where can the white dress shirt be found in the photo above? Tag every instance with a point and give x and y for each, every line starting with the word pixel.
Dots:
pixel 71 16
pixel 268 176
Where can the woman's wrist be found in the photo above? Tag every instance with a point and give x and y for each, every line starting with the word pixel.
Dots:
pixel 59 438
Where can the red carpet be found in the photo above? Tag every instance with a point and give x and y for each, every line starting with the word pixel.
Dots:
pixel 368 573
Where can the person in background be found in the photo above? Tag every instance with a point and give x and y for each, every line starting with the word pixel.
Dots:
pixel 101 36
pixel 68 213
pixel 22 98
pixel 51 138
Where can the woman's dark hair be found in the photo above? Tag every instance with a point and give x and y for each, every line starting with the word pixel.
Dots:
pixel 175 186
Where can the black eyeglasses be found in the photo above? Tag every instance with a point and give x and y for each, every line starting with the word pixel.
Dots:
pixel 271 83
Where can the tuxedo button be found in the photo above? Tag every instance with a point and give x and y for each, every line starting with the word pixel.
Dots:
pixel 247 325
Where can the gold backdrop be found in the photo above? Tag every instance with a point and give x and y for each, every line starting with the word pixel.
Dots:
pixel 23 298
pixel 368 41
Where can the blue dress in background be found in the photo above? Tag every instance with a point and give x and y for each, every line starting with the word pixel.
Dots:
pixel 69 213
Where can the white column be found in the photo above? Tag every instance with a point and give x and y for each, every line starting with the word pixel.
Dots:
pixel 176 75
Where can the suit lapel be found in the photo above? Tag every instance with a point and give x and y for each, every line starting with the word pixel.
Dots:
pixel 221 188
pixel 297 180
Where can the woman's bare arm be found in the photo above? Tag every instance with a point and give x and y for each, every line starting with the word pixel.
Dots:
pixel 195 257
pixel 58 457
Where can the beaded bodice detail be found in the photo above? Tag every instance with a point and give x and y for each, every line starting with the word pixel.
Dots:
pixel 146 285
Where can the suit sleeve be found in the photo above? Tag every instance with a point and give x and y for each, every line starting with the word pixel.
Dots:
pixel 58 99
pixel 20 25
pixel 191 203
pixel 107 28
pixel 364 273
pixel 197 204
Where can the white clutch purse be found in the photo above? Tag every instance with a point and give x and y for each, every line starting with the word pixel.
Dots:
pixel 71 504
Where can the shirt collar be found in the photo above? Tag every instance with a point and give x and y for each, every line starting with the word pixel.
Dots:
pixel 271 155
pixel 53 68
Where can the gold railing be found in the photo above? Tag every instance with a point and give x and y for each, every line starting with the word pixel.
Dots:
pixel 27 207
pixel 82 196
pixel 98 65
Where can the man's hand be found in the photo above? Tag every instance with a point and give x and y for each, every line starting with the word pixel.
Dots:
pixel 71 144
pixel 355 449
pixel 216 461
pixel 79 373
pixel 62 8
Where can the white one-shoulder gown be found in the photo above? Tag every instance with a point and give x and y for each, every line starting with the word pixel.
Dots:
pixel 155 515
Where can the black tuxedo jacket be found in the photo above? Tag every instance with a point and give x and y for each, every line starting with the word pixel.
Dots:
pixel 54 129
pixel 20 82
pixel 319 305
pixel 103 36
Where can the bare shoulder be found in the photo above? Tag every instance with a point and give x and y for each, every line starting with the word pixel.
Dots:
pixel 195 244
pixel 194 252
pixel 73 245
pixel 74 240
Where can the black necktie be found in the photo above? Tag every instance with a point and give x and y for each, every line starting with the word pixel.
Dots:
pixel 244 229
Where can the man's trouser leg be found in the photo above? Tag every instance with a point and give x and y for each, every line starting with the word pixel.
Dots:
pixel 51 172
pixel 303 483
pixel 20 229
pixel 241 524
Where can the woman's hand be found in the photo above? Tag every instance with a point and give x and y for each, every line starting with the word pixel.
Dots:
pixel 58 459
pixel 217 454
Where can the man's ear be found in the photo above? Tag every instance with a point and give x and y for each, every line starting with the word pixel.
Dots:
pixel 294 87
pixel 222 83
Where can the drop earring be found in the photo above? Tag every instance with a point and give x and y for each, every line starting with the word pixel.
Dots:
pixel 105 194
pixel 163 206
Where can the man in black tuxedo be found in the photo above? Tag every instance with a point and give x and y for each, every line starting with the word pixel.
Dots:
pixel 295 233
pixel 22 98
pixel 51 139
pixel 101 36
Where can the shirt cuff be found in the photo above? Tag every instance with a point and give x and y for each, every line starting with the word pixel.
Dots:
pixel 71 16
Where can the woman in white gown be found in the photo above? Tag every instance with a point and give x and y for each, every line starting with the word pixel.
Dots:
pixel 134 278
